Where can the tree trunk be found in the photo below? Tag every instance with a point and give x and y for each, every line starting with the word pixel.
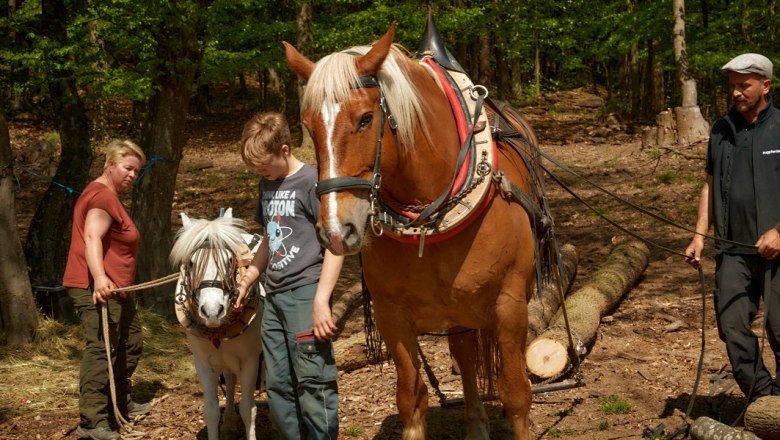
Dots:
pixel 47 242
pixel 163 138
pixel 691 126
pixel 763 417
pixel 485 72
pixel 544 305
pixel 548 355
pixel 19 316
pixel 705 428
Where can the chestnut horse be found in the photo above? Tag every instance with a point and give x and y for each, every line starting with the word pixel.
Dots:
pixel 481 277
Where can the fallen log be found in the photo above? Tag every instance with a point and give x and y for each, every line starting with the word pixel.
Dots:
pixel 548 355
pixel 546 302
pixel 350 352
pixel 705 428
pixel 762 417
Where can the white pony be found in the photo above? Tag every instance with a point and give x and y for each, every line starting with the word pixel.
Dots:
pixel 211 254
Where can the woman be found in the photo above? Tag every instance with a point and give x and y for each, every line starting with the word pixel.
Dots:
pixel 102 257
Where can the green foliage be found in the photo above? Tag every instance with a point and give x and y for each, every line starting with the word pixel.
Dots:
pixel 614 404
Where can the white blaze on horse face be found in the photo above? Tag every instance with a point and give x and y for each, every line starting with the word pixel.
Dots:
pixel 330 112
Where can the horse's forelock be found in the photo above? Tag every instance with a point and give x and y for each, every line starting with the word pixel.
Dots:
pixel 222 233
pixel 335 75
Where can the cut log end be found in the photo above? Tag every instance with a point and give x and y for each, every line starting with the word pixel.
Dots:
pixel 546 358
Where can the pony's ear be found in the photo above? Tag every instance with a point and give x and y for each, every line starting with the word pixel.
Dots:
pixel 185 220
pixel 297 62
pixel 370 63
pixel 228 213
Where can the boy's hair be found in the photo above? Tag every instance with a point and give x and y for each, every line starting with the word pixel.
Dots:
pixel 117 149
pixel 263 136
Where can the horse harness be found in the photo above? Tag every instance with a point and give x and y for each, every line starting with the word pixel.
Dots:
pixel 190 283
pixel 476 176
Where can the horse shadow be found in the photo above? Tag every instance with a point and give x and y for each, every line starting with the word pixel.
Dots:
pixel 447 423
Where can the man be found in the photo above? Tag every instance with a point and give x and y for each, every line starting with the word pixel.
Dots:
pixel 740 196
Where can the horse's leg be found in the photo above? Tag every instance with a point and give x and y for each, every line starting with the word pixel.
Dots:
pixel 230 420
pixel 247 405
pixel 209 380
pixel 513 385
pixel 463 347
pixel 411 394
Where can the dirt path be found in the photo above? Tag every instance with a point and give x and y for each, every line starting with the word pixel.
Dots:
pixel 636 358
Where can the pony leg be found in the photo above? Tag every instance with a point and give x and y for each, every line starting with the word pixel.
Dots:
pixel 463 348
pixel 411 393
pixel 247 405
pixel 514 387
pixel 230 420
pixel 209 380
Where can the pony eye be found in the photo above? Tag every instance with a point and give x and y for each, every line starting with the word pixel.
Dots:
pixel 365 121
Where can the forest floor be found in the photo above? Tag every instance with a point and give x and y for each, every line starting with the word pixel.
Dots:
pixel 638 374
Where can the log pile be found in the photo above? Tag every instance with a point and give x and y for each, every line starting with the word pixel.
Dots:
pixel 548 355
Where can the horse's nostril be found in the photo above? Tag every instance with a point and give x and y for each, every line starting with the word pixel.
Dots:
pixel 203 311
pixel 221 310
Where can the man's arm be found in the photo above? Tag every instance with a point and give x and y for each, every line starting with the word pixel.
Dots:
pixel 703 223
pixel 322 319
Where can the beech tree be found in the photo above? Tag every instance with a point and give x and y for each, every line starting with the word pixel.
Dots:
pixel 19 315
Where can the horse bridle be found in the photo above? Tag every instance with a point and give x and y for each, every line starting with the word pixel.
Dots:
pixel 343 183
pixel 334 184
pixel 228 282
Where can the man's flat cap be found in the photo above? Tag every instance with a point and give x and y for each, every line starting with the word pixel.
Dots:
pixel 750 63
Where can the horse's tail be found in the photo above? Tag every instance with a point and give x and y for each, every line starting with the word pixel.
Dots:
pixel 488 362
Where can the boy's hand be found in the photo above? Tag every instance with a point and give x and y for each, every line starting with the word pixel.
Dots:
pixel 322 322
pixel 239 303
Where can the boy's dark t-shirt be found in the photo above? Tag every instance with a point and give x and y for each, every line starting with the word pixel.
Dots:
pixel 288 211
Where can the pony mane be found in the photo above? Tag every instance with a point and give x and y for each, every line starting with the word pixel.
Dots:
pixel 221 233
pixel 335 75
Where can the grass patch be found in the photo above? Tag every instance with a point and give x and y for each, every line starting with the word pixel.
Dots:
pixel 666 178
pixel 45 373
pixel 614 404
pixel 354 431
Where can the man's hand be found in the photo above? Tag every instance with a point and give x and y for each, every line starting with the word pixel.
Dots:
pixel 693 252
pixel 768 244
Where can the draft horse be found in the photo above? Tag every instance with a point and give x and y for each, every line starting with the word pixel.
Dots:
pixel 209 255
pixel 480 275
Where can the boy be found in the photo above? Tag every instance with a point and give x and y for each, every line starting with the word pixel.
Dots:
pixel 297 324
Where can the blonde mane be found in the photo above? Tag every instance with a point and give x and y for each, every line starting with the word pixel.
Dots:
pixel 220 233
pixel 335 75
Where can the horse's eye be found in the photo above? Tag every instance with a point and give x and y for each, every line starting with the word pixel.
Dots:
pixel 365 121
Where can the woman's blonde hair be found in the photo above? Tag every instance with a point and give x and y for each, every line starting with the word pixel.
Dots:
pixel 117 149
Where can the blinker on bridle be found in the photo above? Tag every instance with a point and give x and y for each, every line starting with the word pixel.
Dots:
pixel 349 182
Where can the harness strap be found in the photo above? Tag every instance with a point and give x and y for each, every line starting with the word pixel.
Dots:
pixel 464 149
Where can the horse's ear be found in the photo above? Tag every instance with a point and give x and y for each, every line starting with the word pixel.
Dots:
pixel 228 213
pixel 297 62
pixel 370 63
pixel 185 220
